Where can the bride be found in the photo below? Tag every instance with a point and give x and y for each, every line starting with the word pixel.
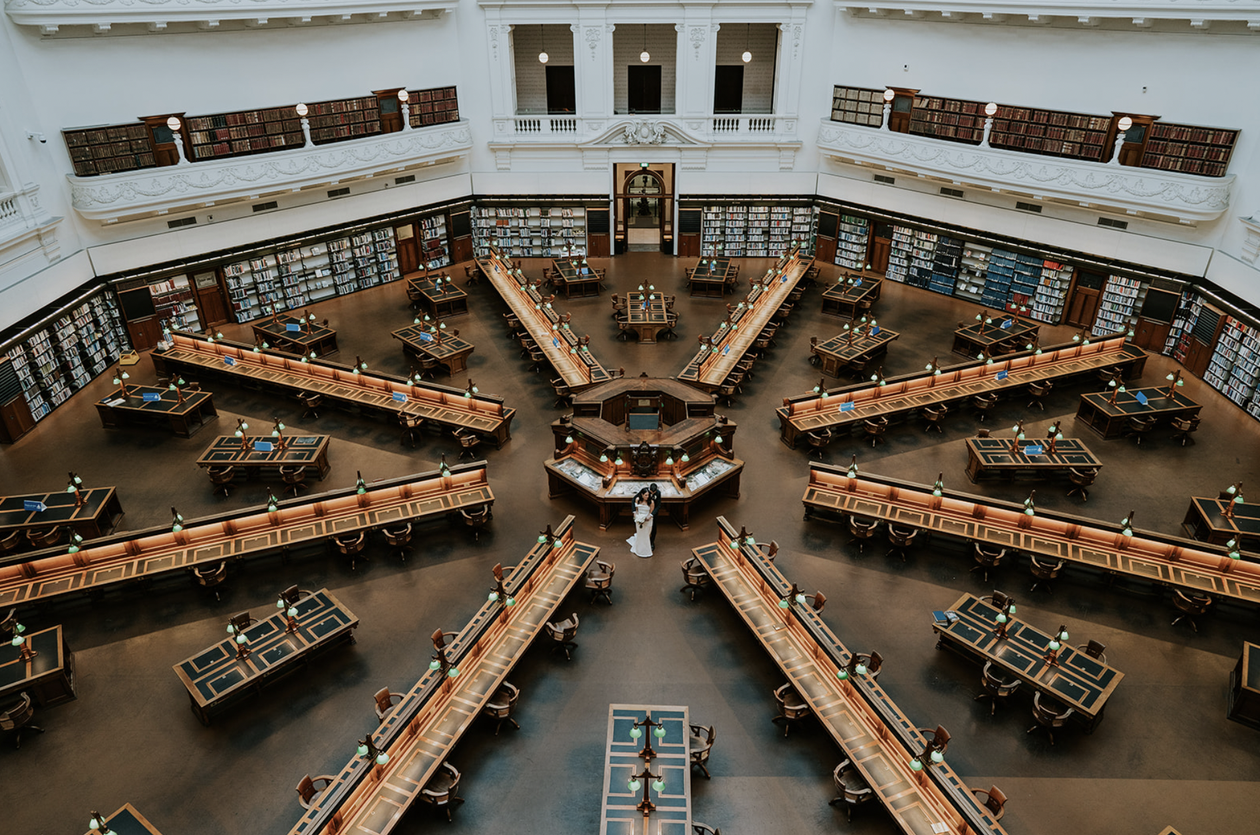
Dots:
pixel 641 543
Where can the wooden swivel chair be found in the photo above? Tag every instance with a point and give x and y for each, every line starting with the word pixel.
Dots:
pixel 211 576
pixel 769 550
pixel 1081 480
pixel 1038 393
pixel 935 416
pixel 1139 427
pixel 983 403
pixel 792 708
pixel 385 702
pixel 997 687
pixel 411 426
pixel 468 442
pixel 987 559
pixel 814 359
pixel 399 539
pixel 1191 606
pixel 1095 650
pixel 695 576
pixel 310 788
pixel 17 716
pixel 700 744
pixel 476 519
pixel 875 429
pixel 1184 428
pixel 993 800
pixel 862 532
pixel 310 402
pixel 563 634
pixel 1049 715
pixel 472 273
pixel 221 478
pixel 698 828
pixel 11 543
pixel 564 396
pixel 1043 571
pixel 599 581
pixel 442 790
pixel 819 440
pixel 851 788
pixel 900 539
pixel 351 545
pixel 294 478
pixel 501 705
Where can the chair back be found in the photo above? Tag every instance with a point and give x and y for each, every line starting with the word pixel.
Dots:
pixel 351 544
pixel 1095 650
pixel 817 601
pixel 861 529
pixel 306 790
pixel 384 702
pixel 211 575
pixel 398 537
pixel 16 714
pixel 874 665
pixel 996 800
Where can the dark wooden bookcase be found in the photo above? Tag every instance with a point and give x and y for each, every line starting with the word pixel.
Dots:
pixel 1189 149
pixel 954 120
pixel 433 107
pixel 1051 132
pixel 333 121
pixel 857 106
pixel 243 133
pixel 109 149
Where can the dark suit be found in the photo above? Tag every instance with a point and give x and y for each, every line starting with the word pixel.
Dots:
pixel 657 504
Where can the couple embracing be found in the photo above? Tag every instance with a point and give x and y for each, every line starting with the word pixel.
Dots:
pixel 647 504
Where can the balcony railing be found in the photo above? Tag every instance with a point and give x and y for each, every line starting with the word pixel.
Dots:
pixel 24 224
pixel 1186 197
pixel 179 187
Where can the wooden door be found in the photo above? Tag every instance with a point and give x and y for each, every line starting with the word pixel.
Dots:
pixel 210 299
pixel 15 420
pixel 145 333
pixel 408 248
pixel 163 138
pixel 880 248
pixel 598 239
pixel 391 109
pixel 1083 298
pixel 902 105
pixel 825 241
pixel 1150 334
pixel 459 232
pixel 1134 138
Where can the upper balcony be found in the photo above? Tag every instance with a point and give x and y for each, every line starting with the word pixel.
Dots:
pixel 187 186
pixel 693 137
pixel 1223 16
pixel 1186 197
pixel 157 16
pixel 24 224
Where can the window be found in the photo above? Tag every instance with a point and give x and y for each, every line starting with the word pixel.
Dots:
pixel 728 89
pixel 561 95
pixel 643 89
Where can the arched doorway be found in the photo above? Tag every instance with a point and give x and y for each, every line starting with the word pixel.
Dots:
pixel 644 209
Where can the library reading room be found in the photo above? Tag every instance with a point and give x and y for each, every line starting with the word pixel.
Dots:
pixel 632 417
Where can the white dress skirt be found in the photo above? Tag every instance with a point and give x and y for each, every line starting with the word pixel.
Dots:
pixel 641 543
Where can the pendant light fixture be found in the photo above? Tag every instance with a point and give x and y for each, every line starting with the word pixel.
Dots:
pixel 747 56
pixel 644 56
pixel 542 37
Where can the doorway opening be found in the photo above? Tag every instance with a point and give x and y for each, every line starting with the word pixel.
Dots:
pixel 645 207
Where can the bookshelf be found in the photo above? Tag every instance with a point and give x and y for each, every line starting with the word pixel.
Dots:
pixel 434 253
pixel 1120 297
pixel 109 149
pixel 63 353
pixel 173 302
pixel 1025 280
pixel 945 263
pixel 1051 293
pixel 436 106
pixel 1051 132
pixel 1178 345
pixel 922 253
pixel 1235 362
pixel 529 231
pixel 243 133
pixel 954 120
pixel 857 106
pixel 852 241
pixel 755 229
pixel 757 232
pixel 971 273
pixel 899 253
pixel 334 121
pixel 997 279
pixel 1189 149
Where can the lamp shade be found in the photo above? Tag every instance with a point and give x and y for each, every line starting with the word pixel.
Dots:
pixel 173 123
pixel 302 110
pixel 990 109
pixel 889 95
pixel 404 96
pixel 746 57
pixel 644 56
pixel 1124 124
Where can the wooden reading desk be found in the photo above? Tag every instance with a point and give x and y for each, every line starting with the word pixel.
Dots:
pixel 619 813
pixel 1032 458
pixel 1148 557
pixel 711 276
pixel 572 360
pixel 1111 420
pixel 711 365
pixel 48 677
pixel 850 354
pixel 296 335
pixel 309 451
pixel 243 534
pixel 858 714
pixel 380 393
pixel 439 295
pixel 100 514
pixel 1078 681
pixel 842 408
pixel 646 317
pixel 1243 699
pixel 217 677
pixel 423 728
pixel 183 418
pixel 977 338
pixel 450 351
pixel 576 279
pixel 128 821
pixel 1206 521
pixel 850 291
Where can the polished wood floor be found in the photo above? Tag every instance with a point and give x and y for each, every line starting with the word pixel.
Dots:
pixel 1164 755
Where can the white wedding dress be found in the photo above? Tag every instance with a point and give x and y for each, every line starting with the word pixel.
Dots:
pixel 641 543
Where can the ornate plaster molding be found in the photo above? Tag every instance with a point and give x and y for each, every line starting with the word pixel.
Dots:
pixel 178 187
pixel 1192 15
pixel 1184 196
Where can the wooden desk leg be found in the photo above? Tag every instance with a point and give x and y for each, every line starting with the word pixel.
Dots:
pixel 202 716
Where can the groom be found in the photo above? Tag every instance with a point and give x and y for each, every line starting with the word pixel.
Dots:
pixel 654 498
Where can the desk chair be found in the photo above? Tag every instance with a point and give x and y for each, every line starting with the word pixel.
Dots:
pixel 513 325
pixel 211 576
pixel 1043 571
pixel 900 539
pixel 473 274
pixel 294 478
pixel 729 388
pixel 310 402
pixel 618 305
pixel 993 800
pixel 468 442
pixel 819 440
pixel 792 708
pixel 1038 393
pixel 11 543
pixel 935 416
pixel 45 538
pixel 17 716
pixel 1049 715
pixel 875 429
pixel 1185 427
pixel 385 702
pixel 1081 480
pixel 700 744
pixel 564 395
pixel 1191 606
pixel 414 296
pixel 428 367
pixel 442 790
pixel 817 601
pixel 814 359
pixel 671 323
pixel 8 624
pixel 399 539
pixel 997 687
pixel 221 478
pixel 851 788
pixel 599 580
pixel 1095 650
pixel 862 532
pixel 476 519
pixel 769 550
pixel 411 425
pixel 1139 427
pixel 308 790
pixel 987 559
pixel 501 705
pixel 538 359
pixel 563 634
pixel 695 576
pixel 698 828
pixel 351 545
pixel 983 403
